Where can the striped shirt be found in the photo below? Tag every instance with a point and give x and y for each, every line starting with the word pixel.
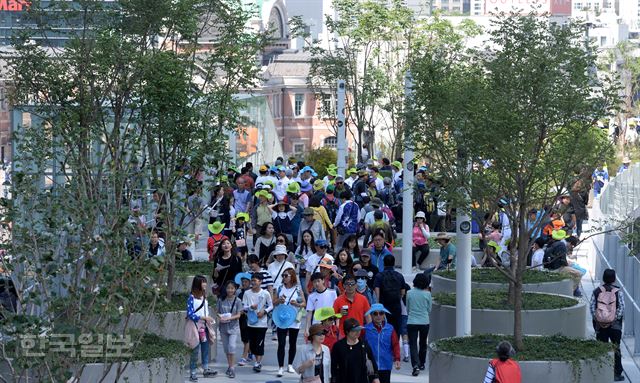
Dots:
pixel 267 280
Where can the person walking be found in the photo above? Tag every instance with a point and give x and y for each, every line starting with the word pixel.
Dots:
pixel 351 304
pixel 607 311
pixel 258 303
pixel 389 287
pixel 229 312
pixel 202 335
pixel 350 355
pixel 503 369
pixel 313 362
pixel 321 297
pixel 287 322
pixel 418 309
pixel 384 342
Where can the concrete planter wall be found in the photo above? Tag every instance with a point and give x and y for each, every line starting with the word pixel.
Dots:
pixel 158 370
pixel 440 284
pixel 448 367
pixel 168 325
pixel 569 321
pixel 434 255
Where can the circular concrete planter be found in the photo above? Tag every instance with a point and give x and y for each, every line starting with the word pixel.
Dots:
pixel 568 321
pixel 439 284
pixel 169 325
pixel 449 367
pixel 159 370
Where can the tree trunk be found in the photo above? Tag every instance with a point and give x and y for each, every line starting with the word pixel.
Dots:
pixel 517 316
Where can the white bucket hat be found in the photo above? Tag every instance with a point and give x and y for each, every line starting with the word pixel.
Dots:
pixel 421 214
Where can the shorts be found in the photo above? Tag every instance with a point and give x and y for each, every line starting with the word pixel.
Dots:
pixel 229 342
pixel 403 324
pixel 244 333
pixel 256 340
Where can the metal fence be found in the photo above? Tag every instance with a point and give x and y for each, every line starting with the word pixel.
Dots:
pixel 620 201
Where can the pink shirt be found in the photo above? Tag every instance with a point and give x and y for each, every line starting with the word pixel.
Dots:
pixel 418 237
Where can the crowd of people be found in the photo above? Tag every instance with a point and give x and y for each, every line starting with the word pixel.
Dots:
pixel 293 253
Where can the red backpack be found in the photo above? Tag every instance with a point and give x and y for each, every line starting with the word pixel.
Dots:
pixel 606 306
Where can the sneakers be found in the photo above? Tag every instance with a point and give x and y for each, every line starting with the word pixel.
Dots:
pixel 257 367
pixel 209 373
pixel 421 367
pixel 291 370
pixel 416 371
pixel 280 372
pixel 577 293
pixel 230 373
pixel 406 359
pixel 250 357
pixel 618 378
pixel 193 377
pixel 243 361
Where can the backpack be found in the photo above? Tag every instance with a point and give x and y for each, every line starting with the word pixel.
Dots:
pixel 385 209
pixel 606 306
pixel 390 289
pixel 331 207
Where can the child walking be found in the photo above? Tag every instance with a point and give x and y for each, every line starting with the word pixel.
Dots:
pixel 229 311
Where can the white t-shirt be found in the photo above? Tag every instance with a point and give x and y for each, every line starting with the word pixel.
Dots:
pixel 312 263
pixel 204 310
pixel 536 258
pixel 368 218
pixel 263 300
pixel 290 294
pixel 318 300
pixel 273 269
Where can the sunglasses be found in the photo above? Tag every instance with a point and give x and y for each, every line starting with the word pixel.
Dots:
pixel 338 183
pixel 350 284
pixel 376 313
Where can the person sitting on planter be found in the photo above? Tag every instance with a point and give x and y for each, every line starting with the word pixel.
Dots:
pixel 199 339
pixel 607 317
pixel 555 259
pixel 503 369
pixel 389 287
pixel 384 342
pixel 538 253
pixel 420 239
pixel 447 258
pixel 491 257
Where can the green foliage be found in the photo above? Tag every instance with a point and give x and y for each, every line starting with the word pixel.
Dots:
pixel 492 275
pixel 544 348
pixel 190 268
pixel 499 300
pixel 178 302
pixel 133 103
pixel 152 346
pixel 371 45
pixel 320 159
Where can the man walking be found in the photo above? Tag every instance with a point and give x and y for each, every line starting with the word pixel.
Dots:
pixel 389 289
pixel 383 341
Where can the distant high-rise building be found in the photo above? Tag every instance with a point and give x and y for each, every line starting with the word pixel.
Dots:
pixel 629 12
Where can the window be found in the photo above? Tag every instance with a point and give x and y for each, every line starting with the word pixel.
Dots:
pixel 299 103
pixel 327 106
pixel 331 142
pixel 298 149
pixel 603 40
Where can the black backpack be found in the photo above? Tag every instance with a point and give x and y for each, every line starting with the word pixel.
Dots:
pixel 390 291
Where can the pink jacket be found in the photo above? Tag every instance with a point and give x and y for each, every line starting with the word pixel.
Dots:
pixel 419 238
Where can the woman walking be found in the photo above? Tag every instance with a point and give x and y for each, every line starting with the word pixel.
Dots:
pixel 418 310
pixel 288 293
pixel 266 243
pixel 229 312
pixel 226 265
pixel 201 336
pixel 313 361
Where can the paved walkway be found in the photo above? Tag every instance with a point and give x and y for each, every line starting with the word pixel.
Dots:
pixel 585 257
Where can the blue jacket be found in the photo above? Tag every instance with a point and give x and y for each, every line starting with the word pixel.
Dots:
pixel 380 343
pixel 377 258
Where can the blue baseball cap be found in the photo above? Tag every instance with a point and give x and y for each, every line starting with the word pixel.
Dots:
pixel 322 242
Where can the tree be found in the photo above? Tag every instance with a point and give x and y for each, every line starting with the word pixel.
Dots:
pixel 522 112
pixel 132 103
pixel 369 47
